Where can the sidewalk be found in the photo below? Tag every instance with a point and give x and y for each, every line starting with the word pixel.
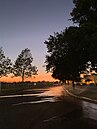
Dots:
pixel 87 93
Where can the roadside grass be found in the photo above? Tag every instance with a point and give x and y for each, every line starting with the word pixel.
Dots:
pixel 89 94
pixel 84 92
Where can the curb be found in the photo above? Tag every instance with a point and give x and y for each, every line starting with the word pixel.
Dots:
pixel 80 97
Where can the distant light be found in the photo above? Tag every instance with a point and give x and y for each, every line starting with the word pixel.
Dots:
pixel 34 84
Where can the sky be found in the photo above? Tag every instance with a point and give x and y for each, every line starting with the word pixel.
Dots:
pixel 28 23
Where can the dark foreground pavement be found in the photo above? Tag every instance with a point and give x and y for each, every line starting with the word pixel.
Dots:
pixel 62 114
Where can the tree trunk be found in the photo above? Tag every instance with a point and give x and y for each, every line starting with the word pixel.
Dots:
pixel 64 82
pixel 73 85
pixel 68 82
pixel 23 76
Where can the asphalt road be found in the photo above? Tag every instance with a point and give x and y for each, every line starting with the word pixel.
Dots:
pixel 51 109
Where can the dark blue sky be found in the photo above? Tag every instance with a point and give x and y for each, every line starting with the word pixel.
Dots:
pixel 28 23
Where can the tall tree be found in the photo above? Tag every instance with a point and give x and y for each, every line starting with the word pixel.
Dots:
pixel 64 55
pixel 23 65
pixel 70 50
pixel 5 64
pixel 85 11
pixel 85 14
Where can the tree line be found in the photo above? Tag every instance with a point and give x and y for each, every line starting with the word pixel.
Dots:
pixel 68 50
pixel 71 49
pixel 22 66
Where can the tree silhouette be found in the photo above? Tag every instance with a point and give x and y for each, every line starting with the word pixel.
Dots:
pixel 71 49
pixel 5 64
pixel 85 14
pixel 64 55
pixel 85 11
pixel 23 65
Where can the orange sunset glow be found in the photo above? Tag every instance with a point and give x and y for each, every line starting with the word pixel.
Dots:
pixel 40 77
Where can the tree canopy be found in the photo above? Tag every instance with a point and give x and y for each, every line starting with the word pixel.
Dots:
pixel 23 65
pixel 85 11
pixel 5 64
pixel 85 14
pixel 64 58
pixel 70 50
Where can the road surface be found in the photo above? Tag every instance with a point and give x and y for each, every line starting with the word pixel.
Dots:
pixel 48 108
